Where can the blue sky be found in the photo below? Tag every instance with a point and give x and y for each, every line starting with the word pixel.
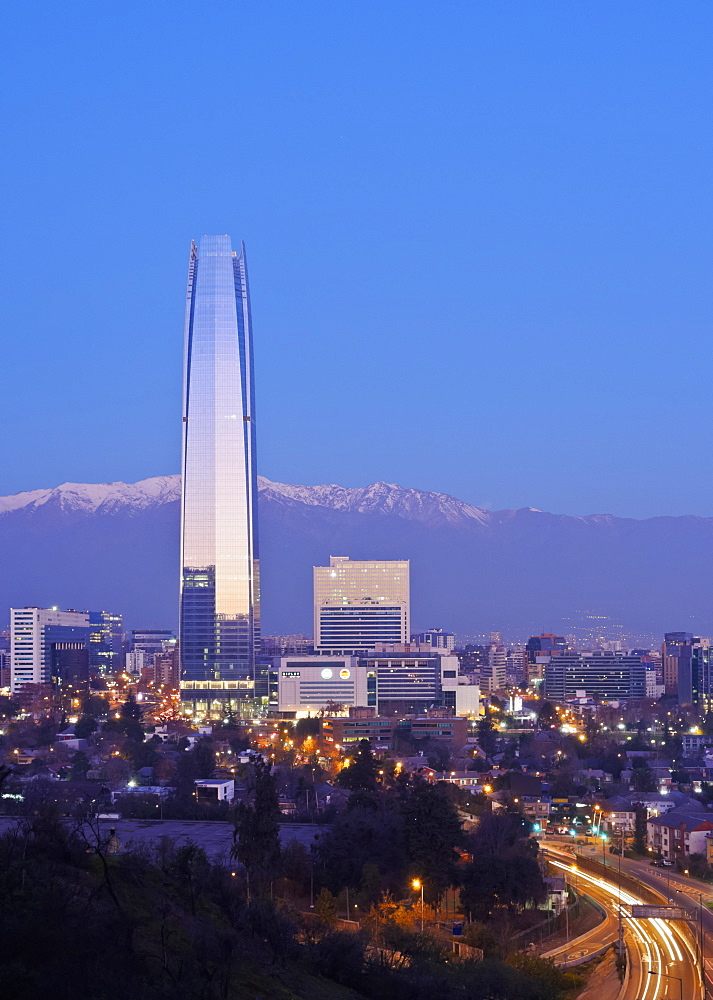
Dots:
pixel 479 239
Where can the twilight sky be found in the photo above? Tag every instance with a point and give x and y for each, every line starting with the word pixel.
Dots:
pixel 478 233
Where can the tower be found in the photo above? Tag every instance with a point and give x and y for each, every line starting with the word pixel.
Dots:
pixel 220 590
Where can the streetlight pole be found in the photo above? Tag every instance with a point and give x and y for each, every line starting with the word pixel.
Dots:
pixel 418 884
pixel 653 972
pixel 702 943
pixel 621 929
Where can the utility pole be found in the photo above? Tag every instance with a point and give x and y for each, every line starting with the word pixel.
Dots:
pixel 621 926
pixel 702 944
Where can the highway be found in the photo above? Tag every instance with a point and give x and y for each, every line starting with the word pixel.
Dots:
pixel 662 957
pixel 694 895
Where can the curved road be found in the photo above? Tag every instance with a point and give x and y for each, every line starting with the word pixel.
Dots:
pixel 695 896
pixel 662 955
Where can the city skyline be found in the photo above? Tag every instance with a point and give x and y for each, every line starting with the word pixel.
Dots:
pixel 219 628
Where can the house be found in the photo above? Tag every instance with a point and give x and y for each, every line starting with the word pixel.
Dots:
pixel 464 779
pixel 215 790
pixel 619 812
pixel 679 833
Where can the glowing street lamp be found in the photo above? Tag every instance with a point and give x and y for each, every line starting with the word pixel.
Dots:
pixel 418 884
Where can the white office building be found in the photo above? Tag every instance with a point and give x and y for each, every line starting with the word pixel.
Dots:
pixel 359 604
pixel 35 635
pixel 307 685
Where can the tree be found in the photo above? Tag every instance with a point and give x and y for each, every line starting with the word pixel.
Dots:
pixel 80 766
pixel 204 753
pixel 95 706
pixel 366 832
pixel 502 835
pixel 432 832
pixel 130 710
pixel 641 816
pixel 186 774
pixel 311 726
pixel 643 778
pixel 8 708
pixel 256 839
pixel 360 773
pixel 85 727
pixel 326 906
pixel 487 739
pixel 491 882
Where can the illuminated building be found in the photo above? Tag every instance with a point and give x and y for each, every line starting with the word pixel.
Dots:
pixel 358 604
pixel 220 594
pixel 106 635
pixel 48 646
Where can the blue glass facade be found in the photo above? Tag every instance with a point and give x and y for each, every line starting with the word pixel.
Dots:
pixel 220 590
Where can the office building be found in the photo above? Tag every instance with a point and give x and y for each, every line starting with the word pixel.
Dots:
pixel 391 680
pixel 687 669
pixel 166 666
pixel 358 604
pixel 48 647
pixel 307 685
pixel 493 677
pixel 106 635
pixel 220 590
pixel 604 675
pixel 436 638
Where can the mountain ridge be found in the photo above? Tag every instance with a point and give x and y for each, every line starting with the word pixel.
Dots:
pixel 377 497
pixel 116 545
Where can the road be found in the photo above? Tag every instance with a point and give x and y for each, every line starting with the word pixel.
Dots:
pixel 694 895
pixel 662 957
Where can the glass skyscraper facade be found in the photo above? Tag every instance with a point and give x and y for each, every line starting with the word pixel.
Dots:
pixel 220 589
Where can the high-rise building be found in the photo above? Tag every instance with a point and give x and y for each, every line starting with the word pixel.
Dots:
pixel 358 604
pixel 609 676
pixel 494 676
pixel 48 646
pixel 678 672
pixel 165 665
pixel 220 591
pixel 688 669
pixel 106 634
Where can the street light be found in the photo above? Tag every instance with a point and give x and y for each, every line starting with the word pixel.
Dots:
pixel 418 884
pixel 604 840
pixel 653 972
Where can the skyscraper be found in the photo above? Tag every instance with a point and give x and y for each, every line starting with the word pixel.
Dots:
pixel 220 591
pixel 359 604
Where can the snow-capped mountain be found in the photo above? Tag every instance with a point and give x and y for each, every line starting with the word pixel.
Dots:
pixel 113 498
pixel 89 498
pixel 115 546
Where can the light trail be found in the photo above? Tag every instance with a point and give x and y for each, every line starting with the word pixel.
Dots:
pixel 659 943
